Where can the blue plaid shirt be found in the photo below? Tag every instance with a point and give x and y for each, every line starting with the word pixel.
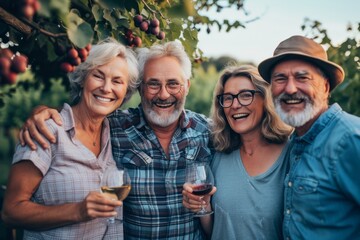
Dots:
pixel 153 209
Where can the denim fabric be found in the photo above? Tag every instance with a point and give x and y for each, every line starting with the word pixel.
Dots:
pixel 322 189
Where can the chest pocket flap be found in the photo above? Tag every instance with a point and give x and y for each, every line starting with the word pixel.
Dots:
pixel 305 185
pixel 136 157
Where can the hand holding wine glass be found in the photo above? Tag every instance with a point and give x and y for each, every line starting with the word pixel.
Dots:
pixel 115 184
pixel 200 177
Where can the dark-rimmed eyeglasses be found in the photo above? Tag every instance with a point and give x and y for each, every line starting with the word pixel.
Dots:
pixel 171 87
pixel 244 97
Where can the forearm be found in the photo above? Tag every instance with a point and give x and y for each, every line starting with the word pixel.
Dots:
pixel 207 223
pixel 33 216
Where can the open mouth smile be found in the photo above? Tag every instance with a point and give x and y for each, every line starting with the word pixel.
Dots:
pixel 164 104
pixel 292 101
pixel 104 99
pixel 240 116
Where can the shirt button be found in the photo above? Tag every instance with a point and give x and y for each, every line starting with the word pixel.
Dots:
pixel 288 211
pixel 290 184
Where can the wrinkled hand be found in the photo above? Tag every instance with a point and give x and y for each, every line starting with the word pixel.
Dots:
pixel 35 126
pixel 194 202
pixel 97 205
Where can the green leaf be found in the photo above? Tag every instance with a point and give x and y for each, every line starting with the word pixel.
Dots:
pixel 110 19
pixel 102 30
pixel 97 12
pixel 80 32
pixel 109 4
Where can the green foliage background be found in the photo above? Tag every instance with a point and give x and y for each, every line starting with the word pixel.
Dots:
pixel 18 104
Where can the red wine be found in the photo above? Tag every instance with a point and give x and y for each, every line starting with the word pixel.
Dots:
pixel 202 189
pixel 119 193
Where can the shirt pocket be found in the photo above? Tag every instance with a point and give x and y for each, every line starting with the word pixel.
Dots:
pixel 200 154
pixel 303 186
pixel 306 197
pixel 133 157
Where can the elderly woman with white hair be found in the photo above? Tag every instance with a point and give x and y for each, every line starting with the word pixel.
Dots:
pixel 54 193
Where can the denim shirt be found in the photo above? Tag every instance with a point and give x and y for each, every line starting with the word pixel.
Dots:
pixel 322 189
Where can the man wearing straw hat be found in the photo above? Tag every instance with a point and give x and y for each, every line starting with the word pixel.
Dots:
pixel 322 193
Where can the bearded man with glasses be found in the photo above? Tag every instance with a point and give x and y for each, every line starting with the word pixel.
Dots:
pixel 155 142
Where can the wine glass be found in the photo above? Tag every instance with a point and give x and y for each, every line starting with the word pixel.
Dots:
pixel 199 175
pixel 115 184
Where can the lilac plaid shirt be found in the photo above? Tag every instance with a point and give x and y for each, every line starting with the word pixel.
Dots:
pixel 153 209
pixel 70 172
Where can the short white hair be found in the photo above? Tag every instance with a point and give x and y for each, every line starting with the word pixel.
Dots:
pixel 170 49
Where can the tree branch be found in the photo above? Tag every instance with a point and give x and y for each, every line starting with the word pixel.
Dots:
pixel 25 26
pixel 15 22
pixel 43 31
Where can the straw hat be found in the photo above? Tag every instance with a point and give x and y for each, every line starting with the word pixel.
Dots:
pixel 299 47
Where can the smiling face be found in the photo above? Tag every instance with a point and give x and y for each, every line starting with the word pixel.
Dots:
pixel 244 119
pixel 163 109
pixel 300 92
pixel 105 88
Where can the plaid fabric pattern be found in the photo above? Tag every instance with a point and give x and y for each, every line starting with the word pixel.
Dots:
pixel 153 209
pixel 70 172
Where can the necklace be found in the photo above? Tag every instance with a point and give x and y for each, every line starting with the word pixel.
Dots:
pixel 92 137
pixel 95 138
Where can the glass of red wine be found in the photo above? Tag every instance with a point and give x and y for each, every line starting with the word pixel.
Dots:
pixel 199 175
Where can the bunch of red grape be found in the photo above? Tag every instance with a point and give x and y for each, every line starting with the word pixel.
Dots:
pixel 132 40
pixel 11 65
pixel 27 8
pixel 74 57
pixel 149 26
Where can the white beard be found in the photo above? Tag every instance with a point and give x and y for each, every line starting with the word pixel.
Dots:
pixel 312 108
pixel 162 120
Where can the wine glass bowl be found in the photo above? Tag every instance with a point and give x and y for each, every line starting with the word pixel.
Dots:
pixel 199 175
pixel 115 184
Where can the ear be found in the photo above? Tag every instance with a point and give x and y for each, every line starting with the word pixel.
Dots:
pixel 327 87
pixel 188 88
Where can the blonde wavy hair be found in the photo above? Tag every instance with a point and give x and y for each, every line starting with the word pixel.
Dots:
pixel 273 129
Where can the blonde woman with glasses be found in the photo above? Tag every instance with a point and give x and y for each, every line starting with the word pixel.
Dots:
pixel 249 166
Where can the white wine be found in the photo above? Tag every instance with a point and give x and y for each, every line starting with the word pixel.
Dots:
pixel 119 193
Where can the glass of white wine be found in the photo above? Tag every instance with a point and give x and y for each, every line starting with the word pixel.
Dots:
pixel 115 184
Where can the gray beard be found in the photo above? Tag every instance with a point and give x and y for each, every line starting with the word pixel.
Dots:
pixel 159 120
pixel 298 119
pixel 155 119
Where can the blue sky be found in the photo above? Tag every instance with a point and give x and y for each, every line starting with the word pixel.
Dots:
pixel 279 19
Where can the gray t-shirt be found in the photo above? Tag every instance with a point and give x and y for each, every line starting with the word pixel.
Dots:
pixel 247 207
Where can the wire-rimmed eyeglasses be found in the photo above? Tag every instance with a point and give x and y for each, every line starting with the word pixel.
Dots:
pixel 171 87
pixel 244 97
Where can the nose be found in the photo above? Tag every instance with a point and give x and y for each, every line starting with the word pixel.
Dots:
pixel 290 87
pixel 163 93
pixel 106 87
pixel 236 103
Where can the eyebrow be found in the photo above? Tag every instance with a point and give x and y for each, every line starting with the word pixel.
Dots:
pixel 166 81
pixel 297 73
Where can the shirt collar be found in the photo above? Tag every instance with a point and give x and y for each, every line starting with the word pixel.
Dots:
pixel 320 124
pixel 69 122
pixel 68 117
